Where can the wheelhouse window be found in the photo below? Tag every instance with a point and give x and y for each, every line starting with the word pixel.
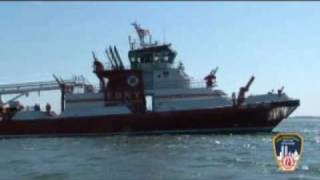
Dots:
pixel 156 58
pixel 166 58
pixel 153 55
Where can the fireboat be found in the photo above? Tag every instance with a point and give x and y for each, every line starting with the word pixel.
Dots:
pixel 153 96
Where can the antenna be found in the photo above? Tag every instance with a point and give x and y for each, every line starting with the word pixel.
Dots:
pixel 110 60
pixel 114 58
pixel 130 43
pixel 118 57
pixel 164 34
pixel 150 39
pixel 94 56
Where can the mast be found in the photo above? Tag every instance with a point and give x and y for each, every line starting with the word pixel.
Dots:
pixel 142 33
pixel 110 60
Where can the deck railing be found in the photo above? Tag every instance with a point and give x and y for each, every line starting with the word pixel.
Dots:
pixel 177 84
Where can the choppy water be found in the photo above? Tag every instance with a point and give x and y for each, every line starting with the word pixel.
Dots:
pixel 158 157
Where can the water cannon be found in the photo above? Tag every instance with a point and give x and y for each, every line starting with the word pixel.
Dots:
pixel 213 72
pixel 244 90
pixel 271 91
pixel 249 83
pixel 280 91
pixel 211 78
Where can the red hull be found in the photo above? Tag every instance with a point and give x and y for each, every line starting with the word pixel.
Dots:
pixel 263 117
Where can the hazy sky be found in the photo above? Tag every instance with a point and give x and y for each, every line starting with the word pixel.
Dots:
pixel 278 42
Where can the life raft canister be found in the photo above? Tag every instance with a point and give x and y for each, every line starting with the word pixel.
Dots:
pixel 133 81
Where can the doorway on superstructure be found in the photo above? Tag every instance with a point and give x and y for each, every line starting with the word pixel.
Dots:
pixel 149 103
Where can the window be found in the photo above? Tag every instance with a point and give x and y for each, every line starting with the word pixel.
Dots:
pixel 166 58
pixel 156 58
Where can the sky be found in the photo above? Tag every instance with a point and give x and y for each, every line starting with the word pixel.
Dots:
pixel 277 42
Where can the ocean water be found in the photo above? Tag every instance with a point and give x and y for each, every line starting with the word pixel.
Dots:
pixel 158 157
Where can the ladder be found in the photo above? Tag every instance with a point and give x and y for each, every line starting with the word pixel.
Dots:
pixel 24 88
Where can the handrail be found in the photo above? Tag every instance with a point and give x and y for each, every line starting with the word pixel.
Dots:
pixel 178 84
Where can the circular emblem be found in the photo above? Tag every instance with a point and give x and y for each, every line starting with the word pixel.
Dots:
pixel 288 162
pixel 133 81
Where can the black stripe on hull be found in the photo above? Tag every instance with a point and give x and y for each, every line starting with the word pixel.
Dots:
pixel 250 118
